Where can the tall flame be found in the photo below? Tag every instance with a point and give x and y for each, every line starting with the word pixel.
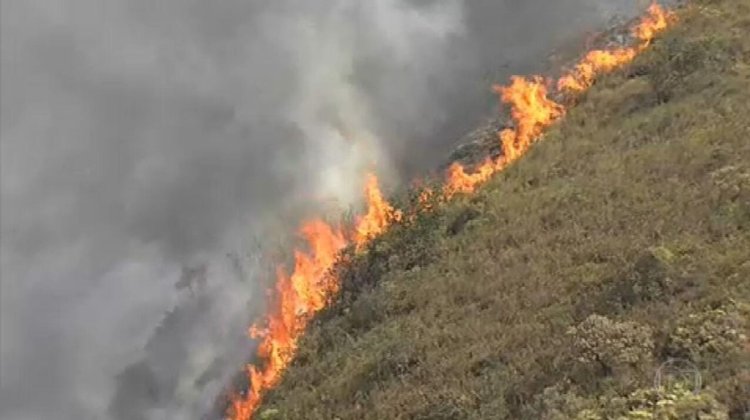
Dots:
pixel 308 289
pixel 302 294
pixel 656 20
pixel 380 214
pixel 298 298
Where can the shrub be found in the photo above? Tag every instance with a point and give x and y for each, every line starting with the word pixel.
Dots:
pixel 673 404
pixel 557 403
pixel 712 332
pixel 650 278
pixel 612 344
pixel 676 58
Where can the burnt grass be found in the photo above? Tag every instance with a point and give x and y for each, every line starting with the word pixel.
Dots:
pixel 620 241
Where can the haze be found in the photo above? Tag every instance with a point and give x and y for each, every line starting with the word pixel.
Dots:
pixel 141 137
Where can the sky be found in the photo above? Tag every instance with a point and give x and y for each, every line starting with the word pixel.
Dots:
pixel 141 137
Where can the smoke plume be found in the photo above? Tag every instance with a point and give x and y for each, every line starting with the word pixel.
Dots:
pixel 145 142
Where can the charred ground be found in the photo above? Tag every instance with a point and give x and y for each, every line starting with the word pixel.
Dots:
pixel 559 289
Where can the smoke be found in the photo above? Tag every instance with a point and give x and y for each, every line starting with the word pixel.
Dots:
pixel 141 137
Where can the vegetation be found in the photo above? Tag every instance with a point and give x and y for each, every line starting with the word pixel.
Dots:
pixel 619 243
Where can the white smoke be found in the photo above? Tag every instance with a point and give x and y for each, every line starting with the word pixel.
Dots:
pixel 141 137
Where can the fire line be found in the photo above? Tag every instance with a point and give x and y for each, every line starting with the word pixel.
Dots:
pixel 311 285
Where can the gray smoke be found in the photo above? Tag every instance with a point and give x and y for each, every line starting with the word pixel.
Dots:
pixel 142 137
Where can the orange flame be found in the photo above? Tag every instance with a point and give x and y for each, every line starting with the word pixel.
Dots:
pixel 604 61
pixel 593 64
pixel 531 110
pixel 425 199
pixel 380 214
pixel 656 20
pixel 460 181
pixel 299 297
pixel 311 285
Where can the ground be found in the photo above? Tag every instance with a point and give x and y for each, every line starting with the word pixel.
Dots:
pixel 570 284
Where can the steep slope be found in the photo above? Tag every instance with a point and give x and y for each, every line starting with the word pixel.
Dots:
pixel 565 286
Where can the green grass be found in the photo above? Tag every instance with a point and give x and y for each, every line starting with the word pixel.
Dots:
pixel 556 291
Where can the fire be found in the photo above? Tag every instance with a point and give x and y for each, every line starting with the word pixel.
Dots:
pixel 656 20
pixel 424 201
pixel 604 61
pixel 302 294
pixel 533 111
pixel 380 214
pixel 298 298
pixel 459 181
pixel 311 285
pixel 593 64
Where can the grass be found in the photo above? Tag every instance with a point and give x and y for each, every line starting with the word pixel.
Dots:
pixel 559 289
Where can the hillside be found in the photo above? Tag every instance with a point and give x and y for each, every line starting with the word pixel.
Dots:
pixel 558 289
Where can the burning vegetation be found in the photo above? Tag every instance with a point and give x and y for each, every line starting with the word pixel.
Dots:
pixel 313 284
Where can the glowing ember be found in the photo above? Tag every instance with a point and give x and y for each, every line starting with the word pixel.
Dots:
pixel 425 199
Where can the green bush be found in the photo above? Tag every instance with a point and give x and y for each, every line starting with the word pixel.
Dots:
pixel 650 278
pixel 557 402
pixel 710 333
pixel 611 344
pixel 677 403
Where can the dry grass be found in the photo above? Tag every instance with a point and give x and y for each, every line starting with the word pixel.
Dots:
pixel 635 208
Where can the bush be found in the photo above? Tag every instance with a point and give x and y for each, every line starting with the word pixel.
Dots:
pixel 557 403
pixel 612 345
pixel 673 404
pixel 650 278
pixel 709 333
pixel 676 58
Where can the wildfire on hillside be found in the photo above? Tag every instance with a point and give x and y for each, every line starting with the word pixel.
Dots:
pixel 597 62
pixel 311 285
pixel 532 109
pixel 306 291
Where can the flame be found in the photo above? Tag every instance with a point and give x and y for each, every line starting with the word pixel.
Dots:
pixel 311 285
pixel 425 199
pixel 302 294
pixel 298 298
pixel 380 214
pixel 532 111
pixel 656 20
pixel 593 64
pixel 460 181
pixel 604 61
